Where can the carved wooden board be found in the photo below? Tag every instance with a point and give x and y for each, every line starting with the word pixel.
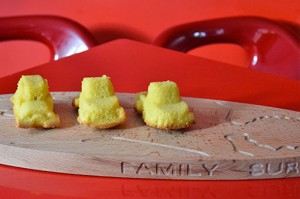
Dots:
pixel 228 141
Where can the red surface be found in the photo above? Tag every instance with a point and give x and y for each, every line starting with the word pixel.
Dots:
pixel 132 65
pixel 140 20
pixel 271 47
pixel 143 21
pixel 19 183
pixel 63 36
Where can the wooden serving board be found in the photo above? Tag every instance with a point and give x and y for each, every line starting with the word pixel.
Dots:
pixel 228 141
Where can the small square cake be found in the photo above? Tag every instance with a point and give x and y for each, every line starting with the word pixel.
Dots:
pixel 98 105
pixel 33 104
pixel 162 107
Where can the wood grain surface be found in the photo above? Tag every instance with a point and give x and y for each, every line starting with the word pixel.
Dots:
pixel 227 141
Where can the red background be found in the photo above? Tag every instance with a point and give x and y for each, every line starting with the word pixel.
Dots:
pixel 138 20
pixel 142 21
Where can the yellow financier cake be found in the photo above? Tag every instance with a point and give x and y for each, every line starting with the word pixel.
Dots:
pixel 162 107
pixel 98 105
pixel 33 104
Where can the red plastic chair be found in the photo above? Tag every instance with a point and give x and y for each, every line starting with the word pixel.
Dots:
pixel 63 36
pixel 274 47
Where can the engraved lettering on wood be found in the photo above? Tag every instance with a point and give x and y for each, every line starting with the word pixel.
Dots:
pixel 210 170
pixel 270 168
pixel 190 171
pixel 126 166
pixel 292 167
pixel 257 169
pixel 182 169
pixel 165 170
pixel 279 171
pixel 144 168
